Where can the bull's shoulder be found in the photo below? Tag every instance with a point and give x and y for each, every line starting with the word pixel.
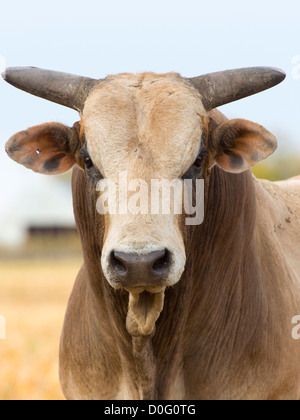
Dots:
pixel 278 216
pixel 281 200
pixel 286 191
pixel 291 184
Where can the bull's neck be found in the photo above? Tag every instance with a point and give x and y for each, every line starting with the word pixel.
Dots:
pixel 221 272
pixel 227 297
pixel 230 217
pixel 222 256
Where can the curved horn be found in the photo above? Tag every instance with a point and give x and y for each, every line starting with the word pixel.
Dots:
pixel 63 88
pixel 228 86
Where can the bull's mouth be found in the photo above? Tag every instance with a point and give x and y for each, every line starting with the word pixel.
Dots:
pixel 144 310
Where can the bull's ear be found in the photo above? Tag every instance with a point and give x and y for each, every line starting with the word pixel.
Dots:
pixel 240 144
pixel 49 148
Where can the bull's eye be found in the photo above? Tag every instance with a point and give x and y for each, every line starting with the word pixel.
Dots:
pixel 203 152
pixel 88 162
pixel 198 161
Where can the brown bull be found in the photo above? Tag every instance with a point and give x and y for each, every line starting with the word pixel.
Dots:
pixel 161 309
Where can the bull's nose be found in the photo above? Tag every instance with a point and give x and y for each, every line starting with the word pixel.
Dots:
pixel 134 270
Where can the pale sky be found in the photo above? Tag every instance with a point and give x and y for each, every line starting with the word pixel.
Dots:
pixel 97 38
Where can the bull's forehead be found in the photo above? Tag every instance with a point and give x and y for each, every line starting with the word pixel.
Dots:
pixel 147 124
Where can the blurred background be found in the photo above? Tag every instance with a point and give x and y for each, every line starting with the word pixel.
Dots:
pixel 39 248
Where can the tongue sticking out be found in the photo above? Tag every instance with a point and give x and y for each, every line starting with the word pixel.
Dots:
pixel 143 311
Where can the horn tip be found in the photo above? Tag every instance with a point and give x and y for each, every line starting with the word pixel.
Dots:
pixel 273 74
pixel 280 74
pixel 4 74
pixel 10 72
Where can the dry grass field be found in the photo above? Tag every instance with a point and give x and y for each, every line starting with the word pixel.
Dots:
pixel 33 300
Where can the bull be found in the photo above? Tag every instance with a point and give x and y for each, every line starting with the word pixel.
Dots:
pixel 160 309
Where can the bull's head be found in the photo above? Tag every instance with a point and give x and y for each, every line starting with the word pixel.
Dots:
pixel 153 127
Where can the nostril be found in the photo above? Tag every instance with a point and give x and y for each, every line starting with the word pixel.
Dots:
pixel 118 265
pixel 162 264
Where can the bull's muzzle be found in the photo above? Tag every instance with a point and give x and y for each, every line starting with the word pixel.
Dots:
pixel 140 271
pixel 145 272
pixel 145 277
